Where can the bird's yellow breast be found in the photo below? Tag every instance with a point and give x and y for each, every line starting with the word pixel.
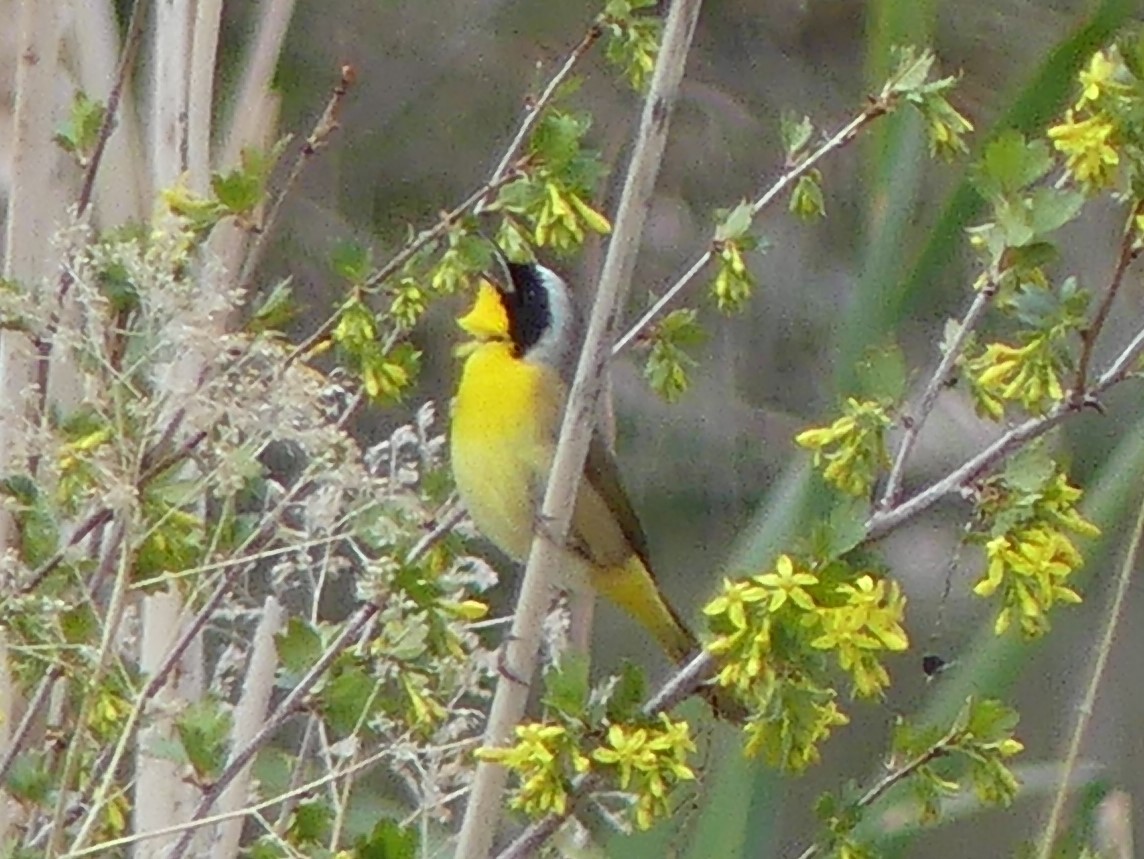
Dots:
pixel 502 439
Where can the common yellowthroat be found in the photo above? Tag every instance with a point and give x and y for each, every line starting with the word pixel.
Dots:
pixel 505 422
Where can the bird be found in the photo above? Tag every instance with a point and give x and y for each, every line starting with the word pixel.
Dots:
pixel 505 423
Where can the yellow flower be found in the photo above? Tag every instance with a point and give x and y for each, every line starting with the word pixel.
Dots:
pixel 1097 79
pixel 1089 155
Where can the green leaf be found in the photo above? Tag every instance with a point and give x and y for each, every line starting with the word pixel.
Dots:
pixel 566 685
pixel 276 310
pixel 351 261
pixel 298 646
pixel 203 729
pixel 310 823
pixel 1050 209
pixel 1010 163
pixel 388 840
pixel 345 697
pixel 80 131
pixel 795 133
pixel 29 779
pixel 628 694
pixel 735 223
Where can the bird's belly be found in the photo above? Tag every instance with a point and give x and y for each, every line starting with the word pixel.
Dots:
pixel 501 443
pixel 495 483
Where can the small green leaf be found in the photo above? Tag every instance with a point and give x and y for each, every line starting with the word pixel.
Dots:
pixel 298 646
pixel 203 729
pixel 1050 209
pixel 388 840
pixel 276 310
pixel 29 779
pixel 566 685
pixel 628 694
pixel 345 697
pixel 310 823
pixel 351 261
pixel 795 132
pixel 80 132
pixel 735 223
pixel 1011 163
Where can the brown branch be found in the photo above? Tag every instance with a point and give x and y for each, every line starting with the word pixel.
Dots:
pixel 1092 332
pixel 885 521
pixel 318 139
pixel 876 108
pixel 506 171
pixel 127 56
pixel 913 422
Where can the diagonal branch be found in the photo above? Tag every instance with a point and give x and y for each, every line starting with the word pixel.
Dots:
pixel 486 799
pixel 914 422
pixel 844 135
pixel 505 172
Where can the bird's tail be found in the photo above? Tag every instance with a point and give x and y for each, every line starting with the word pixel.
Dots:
pixel 634 590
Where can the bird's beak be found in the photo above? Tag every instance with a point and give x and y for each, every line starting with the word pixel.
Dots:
pixel 487 319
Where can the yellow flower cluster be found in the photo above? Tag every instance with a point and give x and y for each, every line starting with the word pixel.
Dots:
pixel 649 762
pixel 1090 135
pixel 545 757
pixel 562 218
pixel 1031 559
pixel 1087 145
pixel 869 622
pixel 1026 374
pixel 852 449
pixel 772 632
pixel 733 282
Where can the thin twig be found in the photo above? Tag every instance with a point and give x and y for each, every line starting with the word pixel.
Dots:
pixel 507 170
pixel 914 422
pixel 885 783
pixel 536 110
pixel 31 714
pixel 1084 715
pixel 1091 333
pixel 837 141
pixel 288 706
pixel 884 521
pixel 486 798
pixel 317 140
pixel 127 56
pixel 285 710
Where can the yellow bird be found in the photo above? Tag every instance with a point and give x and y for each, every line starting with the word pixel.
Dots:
pixel 505 423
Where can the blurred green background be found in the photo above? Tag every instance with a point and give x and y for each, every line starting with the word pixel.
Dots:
pixel 716 478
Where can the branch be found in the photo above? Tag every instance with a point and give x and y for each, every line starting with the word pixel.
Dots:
pixel 1092 332
pixel 884 521
pixel 111 111
pixel 285 710
pixel 885 783
pixel 1084 713
pixel 504 173
pixel 288 706
pixel 319 136
pixel 914 422
pixel 485 801
pixel 844 135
